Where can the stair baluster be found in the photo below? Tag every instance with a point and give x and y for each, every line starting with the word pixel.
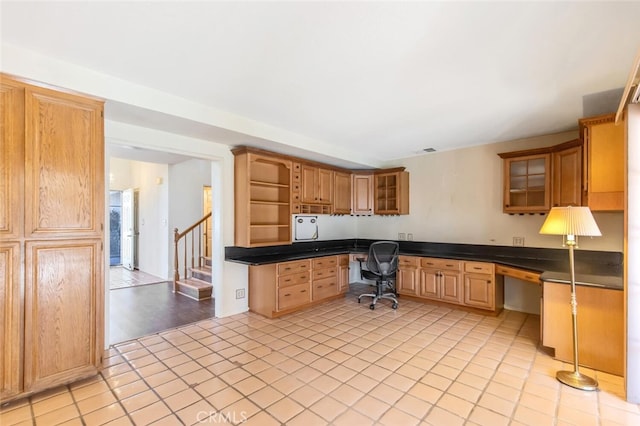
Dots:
pixel 196 251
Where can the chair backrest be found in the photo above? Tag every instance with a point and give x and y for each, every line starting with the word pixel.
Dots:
pixel 383 258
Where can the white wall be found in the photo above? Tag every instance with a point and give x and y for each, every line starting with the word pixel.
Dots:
pixel 186 182
pixel 151 180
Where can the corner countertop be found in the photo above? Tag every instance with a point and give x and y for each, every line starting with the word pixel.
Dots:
pixel 593 268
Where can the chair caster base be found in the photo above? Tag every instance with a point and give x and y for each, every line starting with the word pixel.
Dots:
pixel 372 306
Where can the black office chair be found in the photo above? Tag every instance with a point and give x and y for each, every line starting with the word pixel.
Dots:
pixel 381 266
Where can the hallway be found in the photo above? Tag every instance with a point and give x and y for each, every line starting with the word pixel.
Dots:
pixel 146 309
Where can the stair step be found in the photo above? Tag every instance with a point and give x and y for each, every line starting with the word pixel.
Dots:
pixel 203 273
pixel 195 288
pixel 207 261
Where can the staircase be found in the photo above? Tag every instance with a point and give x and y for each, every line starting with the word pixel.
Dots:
pixel 198 286
pixel 196 280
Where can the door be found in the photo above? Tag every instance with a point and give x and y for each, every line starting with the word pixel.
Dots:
pixel 128 229
pixel 430 283
pixel 451 290
pixel 206 230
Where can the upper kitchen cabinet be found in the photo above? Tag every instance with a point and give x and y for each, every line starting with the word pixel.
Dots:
pixel 604 160
pixel 391 192
pixel 526 183
pixel 262 199
pixel 537 179
pixel 317 185
pixel 566 187
pixel 342 193
pixel 362 194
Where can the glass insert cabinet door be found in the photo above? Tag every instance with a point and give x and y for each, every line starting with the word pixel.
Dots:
pixel 527 184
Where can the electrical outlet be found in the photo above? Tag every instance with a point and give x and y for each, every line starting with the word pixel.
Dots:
pixel 240 293
pixel 518 241
pixel 401 236
pixel 409 236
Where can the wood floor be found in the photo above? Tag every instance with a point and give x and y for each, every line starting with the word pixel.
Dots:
pixel 141 310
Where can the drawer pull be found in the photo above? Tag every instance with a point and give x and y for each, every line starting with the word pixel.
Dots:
pixel 477 268
pixel 287 269
pixel 449 265
pixel 287 295
pixel 303 291
pixel 287 280
pixel 430 263
pixel 528 277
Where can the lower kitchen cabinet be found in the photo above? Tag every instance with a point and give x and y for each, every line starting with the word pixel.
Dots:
pixel 440 280
pixel 600 325
pixel 343 273
pixel 281 288
pixel 407 277
pixel 482 288
pixel 471 284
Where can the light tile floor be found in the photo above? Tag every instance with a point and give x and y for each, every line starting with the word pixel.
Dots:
pixel 338 363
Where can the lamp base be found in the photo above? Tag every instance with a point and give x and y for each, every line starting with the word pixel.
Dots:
pixel 577 380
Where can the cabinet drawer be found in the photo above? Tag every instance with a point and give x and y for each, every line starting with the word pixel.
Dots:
pixel 324 273
pixel 324 262
pixel 430 262
pixel 479 267
pixel 293 279
pixel 324 288
pixel 408 262
pixel 521 274
pixel 293 267
pixel 293 296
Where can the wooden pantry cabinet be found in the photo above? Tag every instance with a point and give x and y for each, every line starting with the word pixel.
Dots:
pixel 281 288
pixel 51 229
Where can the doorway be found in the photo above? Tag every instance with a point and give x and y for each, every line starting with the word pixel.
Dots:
pixel 115 227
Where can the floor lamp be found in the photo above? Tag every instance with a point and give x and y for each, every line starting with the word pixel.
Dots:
pixel 571 222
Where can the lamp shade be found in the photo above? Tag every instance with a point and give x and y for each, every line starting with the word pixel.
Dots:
pixel 570 221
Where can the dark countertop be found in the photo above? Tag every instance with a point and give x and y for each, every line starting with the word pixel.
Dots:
pixel 595 268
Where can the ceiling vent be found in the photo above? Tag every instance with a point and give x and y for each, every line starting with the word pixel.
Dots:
pixel 429 150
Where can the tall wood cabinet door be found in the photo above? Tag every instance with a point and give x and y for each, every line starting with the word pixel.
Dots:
pixel 10 320
pixel 605 163
pixel 479 291
pixel 362 193
pixel 451 288
pixel 309 193
pixel 343 273
pixel 408 281
pixel 11 159
pixel 342 193
pixel 429 283
pixel 567 177
pixel 63 311
pixel 64 157
pixel 325 186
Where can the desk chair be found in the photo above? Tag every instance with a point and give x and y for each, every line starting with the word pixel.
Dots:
pixel 381 266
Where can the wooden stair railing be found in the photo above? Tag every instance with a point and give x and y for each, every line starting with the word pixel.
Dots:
pixel 192 231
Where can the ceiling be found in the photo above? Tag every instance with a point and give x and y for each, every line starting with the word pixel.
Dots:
pixel 336 81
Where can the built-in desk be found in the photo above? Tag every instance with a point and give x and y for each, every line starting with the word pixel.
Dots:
pixel 598 277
